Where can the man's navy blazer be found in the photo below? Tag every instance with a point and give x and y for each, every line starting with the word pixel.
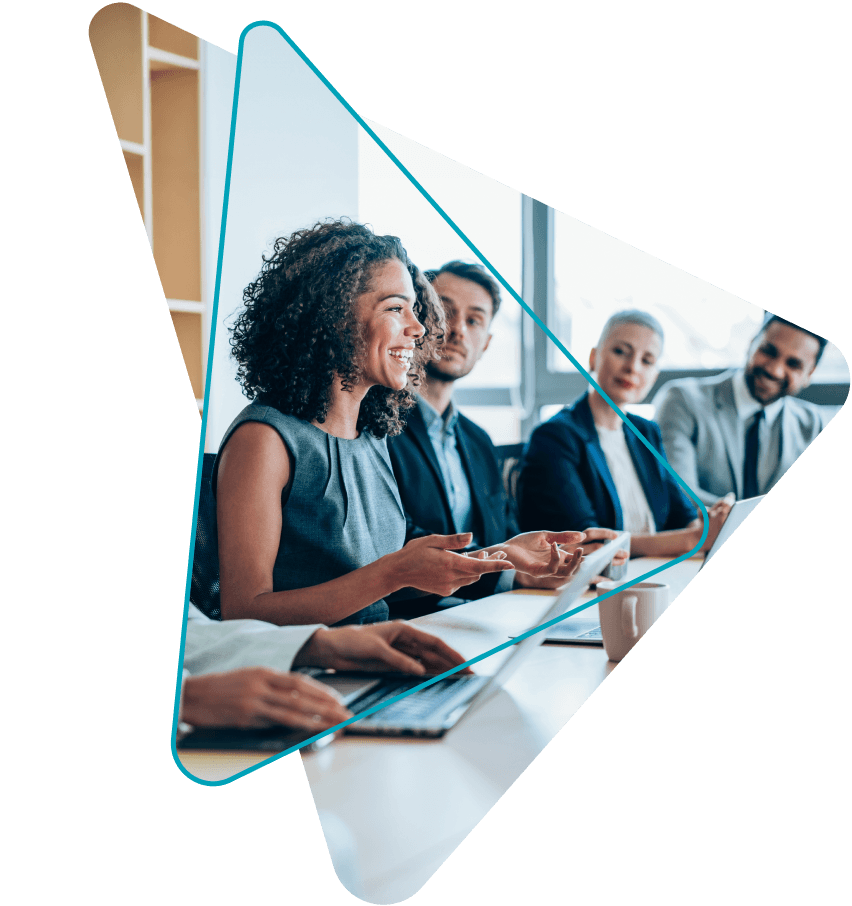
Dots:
pixel 565 482
pixel 424 497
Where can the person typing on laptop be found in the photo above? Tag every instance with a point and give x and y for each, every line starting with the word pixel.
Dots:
pixel 236 673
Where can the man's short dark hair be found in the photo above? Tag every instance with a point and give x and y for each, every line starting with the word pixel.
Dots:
pixel 476 273
pixel 769 318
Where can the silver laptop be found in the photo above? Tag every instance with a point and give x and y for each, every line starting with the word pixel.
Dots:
pixel 739 511
pixel 434 710
pixel 584 628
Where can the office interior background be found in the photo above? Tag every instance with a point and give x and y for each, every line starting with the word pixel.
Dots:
pixel 300 157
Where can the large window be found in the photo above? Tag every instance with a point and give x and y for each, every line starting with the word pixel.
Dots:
pixel 833 368
pixel 486 211
pixel 596 276
pixel 573 276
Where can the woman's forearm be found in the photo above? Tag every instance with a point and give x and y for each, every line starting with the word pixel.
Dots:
pixel 665 544
pixel 425 563
pixel 327 602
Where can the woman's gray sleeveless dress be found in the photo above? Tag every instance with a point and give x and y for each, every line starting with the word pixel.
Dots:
pixel 342 511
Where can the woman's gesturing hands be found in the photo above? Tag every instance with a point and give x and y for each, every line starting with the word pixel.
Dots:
pixel 431 564
pixel 539 554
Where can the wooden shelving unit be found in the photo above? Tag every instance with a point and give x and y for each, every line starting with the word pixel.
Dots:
pixel 151 75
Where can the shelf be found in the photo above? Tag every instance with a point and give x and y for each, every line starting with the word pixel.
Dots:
pixel 151 74
pixel 132 147
pixel 116 37
pixel 136 169
pixel 192 308
pixel 162 60
pixel 188 330
pixel 175 183
pixel 163 35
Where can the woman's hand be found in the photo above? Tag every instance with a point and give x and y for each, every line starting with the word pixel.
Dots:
pixel 379 646
pixel 259 697
pixel 718 513
pixel 431 565
pixel 539 553
pixel 590 538
pixel 593 536
pixel 549 583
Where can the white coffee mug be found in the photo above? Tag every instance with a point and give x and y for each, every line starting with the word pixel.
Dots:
pixel 628 615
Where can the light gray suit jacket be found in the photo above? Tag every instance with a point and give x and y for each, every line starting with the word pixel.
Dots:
pixel 704 439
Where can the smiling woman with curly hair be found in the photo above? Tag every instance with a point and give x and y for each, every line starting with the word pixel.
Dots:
pixel 335 332
pixel 298 330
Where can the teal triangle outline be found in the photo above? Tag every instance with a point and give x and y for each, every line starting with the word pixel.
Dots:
pixel 518 299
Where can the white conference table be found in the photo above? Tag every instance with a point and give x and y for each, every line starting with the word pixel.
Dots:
pixel 394 809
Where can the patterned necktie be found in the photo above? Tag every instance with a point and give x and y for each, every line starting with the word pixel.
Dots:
pixel 752 456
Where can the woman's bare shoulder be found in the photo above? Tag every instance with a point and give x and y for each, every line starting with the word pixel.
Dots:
pixel 255 450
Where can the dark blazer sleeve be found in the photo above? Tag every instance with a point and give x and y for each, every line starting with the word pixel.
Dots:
pixel 487 490
pixel 489 497
pixel 423 499
pixel 417 531
pixel 511 520
pixel 681 511
pixel 552 494
pixel 426 507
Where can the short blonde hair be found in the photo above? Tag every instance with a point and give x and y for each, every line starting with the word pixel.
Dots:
pixel 631 316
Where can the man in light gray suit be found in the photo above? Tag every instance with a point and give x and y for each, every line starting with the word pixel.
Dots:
pixel 740 431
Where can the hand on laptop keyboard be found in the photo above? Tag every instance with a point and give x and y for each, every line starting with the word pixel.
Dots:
pixel 377 647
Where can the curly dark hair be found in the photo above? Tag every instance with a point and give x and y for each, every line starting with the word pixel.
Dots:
pixel 298 333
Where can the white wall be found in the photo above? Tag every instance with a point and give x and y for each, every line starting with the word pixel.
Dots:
pixel 295 162
pixel 218 70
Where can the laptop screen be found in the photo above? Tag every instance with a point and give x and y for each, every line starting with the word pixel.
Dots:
pixel 739 511
pixel 593 564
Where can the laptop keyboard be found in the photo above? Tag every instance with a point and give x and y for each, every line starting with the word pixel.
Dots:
pixel 595 634
pixel 418 708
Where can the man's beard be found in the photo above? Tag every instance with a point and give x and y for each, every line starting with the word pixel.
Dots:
pixel 434 374
pixel 781 387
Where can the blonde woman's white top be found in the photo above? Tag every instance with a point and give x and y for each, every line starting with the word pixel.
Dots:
pixel 635 511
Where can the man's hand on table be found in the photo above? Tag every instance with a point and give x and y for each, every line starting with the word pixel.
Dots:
pixel 395 646
pixel 259 697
